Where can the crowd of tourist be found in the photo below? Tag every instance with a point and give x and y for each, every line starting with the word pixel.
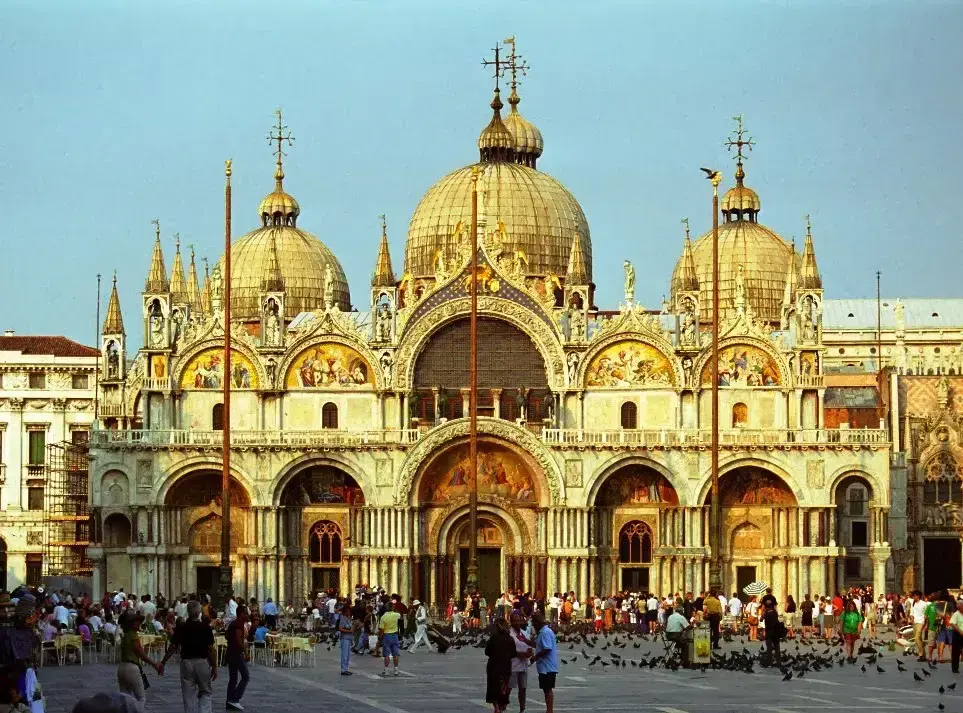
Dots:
pixel 519 631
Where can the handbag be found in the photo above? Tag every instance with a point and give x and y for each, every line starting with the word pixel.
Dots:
pixel 143 677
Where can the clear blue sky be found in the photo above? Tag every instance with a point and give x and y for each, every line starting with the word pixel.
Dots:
pixel 114 113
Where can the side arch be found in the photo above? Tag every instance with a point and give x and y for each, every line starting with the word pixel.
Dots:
pixel 617 462
pixel 662 347
pixel 335 460
pixel 785 373
pixel 184 360
pixel 442 534
pixel 438 439
pixel 317 340
pixel 735 462
pixel 879 495
pixel 186 467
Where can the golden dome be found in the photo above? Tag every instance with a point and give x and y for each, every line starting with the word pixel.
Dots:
pixel 528 139
pixel 302 259
pixel 765 257
pixel 496 137
pixel 278 207
pixel 541 217
pixel 740 199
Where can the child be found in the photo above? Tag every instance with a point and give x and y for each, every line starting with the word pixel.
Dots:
pixel 456 617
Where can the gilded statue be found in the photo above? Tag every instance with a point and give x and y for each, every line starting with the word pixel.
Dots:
pixel 629 281
pixel 328 287
pixel 577 327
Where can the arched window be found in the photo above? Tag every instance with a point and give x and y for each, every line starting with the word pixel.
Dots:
pixel 630 415
pixel 325 543
pixel 942 484
pixel 740 415
pixel 217 417
pixel 329 415
pixel 635 543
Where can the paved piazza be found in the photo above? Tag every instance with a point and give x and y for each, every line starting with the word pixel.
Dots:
pixel 455 682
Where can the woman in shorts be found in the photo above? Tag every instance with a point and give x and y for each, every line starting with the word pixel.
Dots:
pixel 852 627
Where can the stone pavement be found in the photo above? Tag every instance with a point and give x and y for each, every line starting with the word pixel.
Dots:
pixel 455 682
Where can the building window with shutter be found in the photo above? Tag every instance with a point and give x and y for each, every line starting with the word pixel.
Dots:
pixel 37 443
pixel 34 570
pixel 35 498
pixel 630 415
pixel 217 417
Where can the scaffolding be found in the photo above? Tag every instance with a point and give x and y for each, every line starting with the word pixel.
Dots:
pixel 66 516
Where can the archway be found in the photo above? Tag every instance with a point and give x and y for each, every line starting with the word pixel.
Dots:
pixel 855 529
pixel 635 556
pixel 325 550
pixel 942 476
pixel 490 544
pixel 117 530
pixel 512 376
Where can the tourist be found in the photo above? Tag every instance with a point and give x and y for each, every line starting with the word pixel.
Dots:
pixel 774 632
pixel 829 621
pixel 270 611
pixel 331 605
pixel 735 606
pixel 456 618
pixel 712 608
pixel 789 614
pixel 500 651
pixel 937 614
pixel 554 607
pixel 421 624
pixel 389 631
pixel 651 612
pixel 198 667
pixel 956 624
pixel 130 675
pixel 523 652
pixel 852 627
pixel 62 615
pixel 752 618
pixel 237 659
pixel 807 615
pixel 674 626
pixel 546 660
pixel 346 632
pixel 918 612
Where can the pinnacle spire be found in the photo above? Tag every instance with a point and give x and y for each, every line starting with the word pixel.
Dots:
pixel 114 321
pixel 273 281
pixel 157 277
pixel 576 274
pixel 206 307
pixel 688 281
pixel 193 292
pixel 178 285
pixel 792 278
pixel 384 275
pixel 810 278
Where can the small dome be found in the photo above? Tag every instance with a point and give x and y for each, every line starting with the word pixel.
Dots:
pixel 496 137
pixel 528 139
pixel 740 198
pixel 278 207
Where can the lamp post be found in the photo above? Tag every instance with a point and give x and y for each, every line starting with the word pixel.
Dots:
pixel 715 513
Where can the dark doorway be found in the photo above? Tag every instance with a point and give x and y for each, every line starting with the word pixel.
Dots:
pixel 207 579
pixel 489 571
pixel 744 577
pixel 635 579
pixel 941 563
pixel 325 578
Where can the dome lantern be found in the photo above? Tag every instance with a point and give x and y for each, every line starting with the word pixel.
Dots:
pixel 740 202
pixel 528 139
pixel 278 207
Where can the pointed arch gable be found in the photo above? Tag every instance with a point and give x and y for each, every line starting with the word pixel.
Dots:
pixel 199 354
pixel 736 461
pixel 763 359
pixel 351 351
pixel 619 461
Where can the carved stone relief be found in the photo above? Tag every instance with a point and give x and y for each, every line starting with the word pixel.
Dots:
pixel 816 473
pixel 144 479
pixel 573 473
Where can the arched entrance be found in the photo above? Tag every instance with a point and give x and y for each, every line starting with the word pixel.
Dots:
pixel 316 504
pixel 854 531
pixel 631 505
pixel 198 496
pixel 755 524
pixel 510 489
pixel 942 476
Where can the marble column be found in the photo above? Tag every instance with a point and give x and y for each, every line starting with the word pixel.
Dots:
pixel 831 564
pixel 563 583
pixel 284 594
pixel 433 580
pixel 583 580
pixel 526 575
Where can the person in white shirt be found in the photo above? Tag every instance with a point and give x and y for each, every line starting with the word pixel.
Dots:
pixel 652 612
pixel 723 601
pixel 523 650
pixel 331 604
pixel 554 603
pixel 119 597
pixel 735 607
pixel 61 614
pixel 919 624
pixel 421 630
pixel 147 608
pixel 180 609
pixel 230 612
pixel 95 623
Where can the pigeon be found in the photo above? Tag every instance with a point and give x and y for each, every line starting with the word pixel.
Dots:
pixel 880 669
pixel 925 672
pixel 863 669
pixel 710 174
pixel 916 677
pixel 951 687
pixel 942 690
pixel 941 706
pixel 788 676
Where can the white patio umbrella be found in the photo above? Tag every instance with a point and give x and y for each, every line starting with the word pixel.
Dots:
pixel 755 589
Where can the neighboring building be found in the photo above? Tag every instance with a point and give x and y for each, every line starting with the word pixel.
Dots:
pixel 349 434
pixel 47 390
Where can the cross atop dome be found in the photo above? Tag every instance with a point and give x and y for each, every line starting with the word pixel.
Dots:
pixel 278 135
pixel 737 140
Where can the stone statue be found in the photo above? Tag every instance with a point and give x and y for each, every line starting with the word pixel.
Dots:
pixel 328 287
pixel 442 404
pixel 572 368
pixel 177 323
pixel 383 327
pixel 520 402
pixel 113 361
pixel 157 329
pixel 272 324
pixel 548 407
pixel 688 333
pixel 943 391
pixel 629 281
pixel 808 327
pixel 687 370
pixel 740 297
pixel 272 368
pixel 576 321
pixel 412 405
pixel 899 316
pixel 216 289
pixel 386 369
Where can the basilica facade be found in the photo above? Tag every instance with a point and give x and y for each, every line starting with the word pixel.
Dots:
pixel 349 429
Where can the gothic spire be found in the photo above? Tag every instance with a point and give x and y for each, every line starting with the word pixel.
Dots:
pixel 384 275
pixel 792 278
pixel 272 281
pixel 178 283
pixel 114 321
pixel 576 274
pixel 193 292
pixel 688 281
pixel 206 307
pixel 810 277
pixel 157 277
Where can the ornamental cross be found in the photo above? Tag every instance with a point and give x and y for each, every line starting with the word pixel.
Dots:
pixel 156 223
pixel 809 226
pixel 498 63
pixel 515 63
pixel 278 135
pixel 737 139
pixel 685 222
pixel 384 222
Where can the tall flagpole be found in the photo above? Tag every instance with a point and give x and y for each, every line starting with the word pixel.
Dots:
pixel 226 588
pixel 473 392
pixel 99 349
pixel 715 513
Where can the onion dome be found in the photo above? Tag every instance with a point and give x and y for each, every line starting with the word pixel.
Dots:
pixel 528 139
pixel 541 217
pixel 114 321
pixel 278 207
pixel 740 202
pixel 157 276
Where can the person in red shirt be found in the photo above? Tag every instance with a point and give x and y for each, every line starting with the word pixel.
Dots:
pixel 837 606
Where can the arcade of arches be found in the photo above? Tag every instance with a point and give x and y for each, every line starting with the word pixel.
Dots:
pixel 636 535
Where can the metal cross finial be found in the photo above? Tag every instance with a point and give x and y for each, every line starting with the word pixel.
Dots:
pixel 498 63
pixel 809 226
pixel 156 223
pixel 685 222
pixel 515 63
pixel 280 136
pixel 204 260
pixel 737 140
pixel 177 242
pixel 191 248
pixel 384 222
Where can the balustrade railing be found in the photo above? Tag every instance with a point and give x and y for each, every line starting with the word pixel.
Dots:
pixel 183 437
pixel 671 437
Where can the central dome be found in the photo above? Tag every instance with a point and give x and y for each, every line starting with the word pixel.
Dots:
pixel 540 215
